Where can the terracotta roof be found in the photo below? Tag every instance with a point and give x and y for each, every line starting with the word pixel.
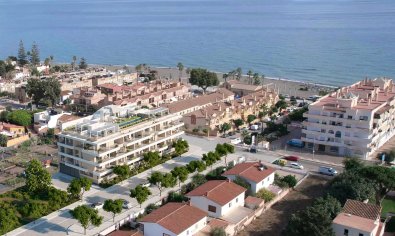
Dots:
pixel 176 217
pixel 365 210
pixel 65 92
pixel 354 221
pixel 219 191
pixel 218 223
pixel 125 233
pixel 254 201
pixel 8 125
pixel 220 95
pixel 250 171
pixel 66 118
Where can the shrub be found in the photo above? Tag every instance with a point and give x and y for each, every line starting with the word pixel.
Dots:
pixel 265 195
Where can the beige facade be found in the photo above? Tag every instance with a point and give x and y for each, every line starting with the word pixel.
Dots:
pixel 113 136
pixel 353 121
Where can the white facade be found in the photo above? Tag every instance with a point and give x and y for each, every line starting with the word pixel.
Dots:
pixel 203 203
pixel 255 187
pixel 113 136
pixel 154 229
pixel 344 230
pixel 354 121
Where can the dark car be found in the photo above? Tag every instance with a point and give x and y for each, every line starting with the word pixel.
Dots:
pixel 291 158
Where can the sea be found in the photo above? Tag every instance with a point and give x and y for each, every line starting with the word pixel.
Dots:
pixel 334 42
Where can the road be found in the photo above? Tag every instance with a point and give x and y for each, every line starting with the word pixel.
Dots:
pixel 61 222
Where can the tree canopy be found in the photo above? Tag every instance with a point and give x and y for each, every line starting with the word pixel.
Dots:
pixel 38 179
pixel 152 158
pixel 113 206
pixel 22 57
pixel 123 171
pixel 161 180
pixel 78 186
pixel 35 55
pixel 87 216
pixel 20 117
pixel 141 193
pixel 203 78
pixel 48 89
pixel 180 173
pixel 8 218
pixel 83 65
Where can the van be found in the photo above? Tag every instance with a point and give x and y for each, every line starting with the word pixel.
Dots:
pixel 327 171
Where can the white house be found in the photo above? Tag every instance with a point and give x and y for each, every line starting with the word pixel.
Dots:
pixel 255 173
pixel 173 219
pixel 358 219
pixel 51 119
pixel 218 197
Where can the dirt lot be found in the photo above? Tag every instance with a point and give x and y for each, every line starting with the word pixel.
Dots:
pixel 274 220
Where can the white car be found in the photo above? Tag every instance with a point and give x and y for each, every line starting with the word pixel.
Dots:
pixel 235 141
pixel 146 184
pixel 97 205
pixel 126 205
pixel 295 165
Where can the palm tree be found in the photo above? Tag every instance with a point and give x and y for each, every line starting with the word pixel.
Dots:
pixel 225 76
pixel 50 60
pixel 249 73
pixel 239 73
pixel 180 67
pixel 256 79
pixel 73 63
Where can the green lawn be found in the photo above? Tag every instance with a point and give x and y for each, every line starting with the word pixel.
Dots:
pixel 388 205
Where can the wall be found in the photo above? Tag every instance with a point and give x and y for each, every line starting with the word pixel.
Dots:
pixel 152 229
pixel 339 231
pixel 195 228
pixel 226 208
pixel 18 140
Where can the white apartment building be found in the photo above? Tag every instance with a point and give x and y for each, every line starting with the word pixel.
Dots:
pixel 115 135
pixel 353 121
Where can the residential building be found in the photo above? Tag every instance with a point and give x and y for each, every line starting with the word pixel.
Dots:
pixel 174 219
pixel 87 96
pixel 115 135
pixel 51 119
pixel 358 219
pixel 218 197
pixel 353 121
pixel 15 134
pixel 256 174
pixel 241 89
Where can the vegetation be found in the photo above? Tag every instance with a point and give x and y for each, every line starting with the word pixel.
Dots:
pixel 203 78
pixel 181 146
pixel 20 117
pixel 196 166
pixel 122 171
pixel 297 115
pixel 210 158
pixel 243 183
pixel 316 220
pixel 152 159
pixel 180 173
pixel 3 140
pixel 161 181
pixel 251 118
pixel 43 90
pixel 38 179
pixel 266 195
pixel 141 194
pixel 87 216
pixel 176 197
pixel 238 122
pixel 224 127
pixel 217 232
pixel 289 180
pixel 82 65
pixel 77 187
pixel 34 55
pixel 113 206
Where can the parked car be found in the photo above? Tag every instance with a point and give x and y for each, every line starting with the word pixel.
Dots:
pixel 126 204
pixel 253 149
pixel 296 143
pixel 146 184
pixel 235 141
pixel 291 158
pixel 327 171
pixel 97 205
pixel 296 165
pixel 231 133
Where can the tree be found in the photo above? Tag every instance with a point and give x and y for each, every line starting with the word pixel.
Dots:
pixel 8 218
pixel 250 73
pixel 238 122
pixel 224 127
pixel 122 171
pixel 3 140
pixel 225 76
pixel 85 185
pixel 239 73
pixel 203 78
pixel 162 181
pixel 113 206
pixel 350 185
pixel 87 216
pixel 141 194
pixel 73 62
pixel 251 118
pixel 152 158
pixel 83 65
pixel 38 179
pixel 242 182
pixel 266 195
pixel 221 150
pixel 197 180
pixel 22 57
pixel 196 165
pixel 352 164
pixel 290 180
pixel 52 88
pixel 286 120
pixel 47 61
pixel 180 67
pixel 35 90
pixel 176 197
pixel 217 232
pixel 256 78
pixel 77 187
pixel 281 104
pixel 382 178
pixel 57 198
pixel 180 173
pixel 229 147
pixel 20 117
pixel 181 146
pixel 35 55
pixel 316 220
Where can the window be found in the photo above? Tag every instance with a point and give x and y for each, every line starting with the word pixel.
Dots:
pixel 360 234
pixel 193 119
pixel 349 117
pixel 237 200
pixel 230 204
pixel 363 118
pixel 212 208
pixel 346 232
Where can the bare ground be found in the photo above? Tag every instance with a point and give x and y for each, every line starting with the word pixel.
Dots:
pixel 275 219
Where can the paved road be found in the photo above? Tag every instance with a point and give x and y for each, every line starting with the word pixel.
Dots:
pixel 61 222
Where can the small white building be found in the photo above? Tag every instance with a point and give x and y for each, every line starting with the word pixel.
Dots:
pixel 358 219
pixel 51 119
pixel 255 173
pixel 218 197
pixel 174 219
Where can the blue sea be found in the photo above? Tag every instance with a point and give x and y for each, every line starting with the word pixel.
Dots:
pixel 333 42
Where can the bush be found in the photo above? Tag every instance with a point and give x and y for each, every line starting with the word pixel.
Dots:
pixel 216 174
pixel 290 180
pixel 266 195
pixel 195 130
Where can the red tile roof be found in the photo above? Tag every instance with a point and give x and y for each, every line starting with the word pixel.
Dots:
pixel 219 191
pixel 176 217
pixel 254 201
pixel 361 209
pixel 250 171
pixel 125 233
pixel 8 125
pixel 66 118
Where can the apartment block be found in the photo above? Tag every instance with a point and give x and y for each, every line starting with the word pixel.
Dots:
pixel 353 121
pixel 115 135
